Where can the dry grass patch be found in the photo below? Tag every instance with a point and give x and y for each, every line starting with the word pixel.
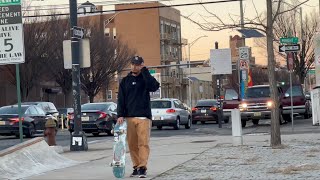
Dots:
pixel 231 158
pixel 314 150
pixel 311 155
pixel 295 169
pixel 282 146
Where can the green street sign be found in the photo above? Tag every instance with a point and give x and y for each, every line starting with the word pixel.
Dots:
pixel 312 71
pixel 152 71
pixel 289 40
pixel 9 2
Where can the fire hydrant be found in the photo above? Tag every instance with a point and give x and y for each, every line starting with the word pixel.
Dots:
pixel 51 131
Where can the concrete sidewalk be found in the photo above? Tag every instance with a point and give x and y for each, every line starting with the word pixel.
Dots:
pixel 166 153
pixel 206 157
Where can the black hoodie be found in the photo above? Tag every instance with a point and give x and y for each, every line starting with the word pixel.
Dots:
pixel 134 94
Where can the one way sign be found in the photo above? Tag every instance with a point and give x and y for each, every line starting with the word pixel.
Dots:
pixel 289 48
pixel 77 32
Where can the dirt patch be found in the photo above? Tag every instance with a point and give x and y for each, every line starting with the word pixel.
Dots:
pixel 231 158
pixel 311 155
pixel 282 146
pixel 314 150
pixel 295 169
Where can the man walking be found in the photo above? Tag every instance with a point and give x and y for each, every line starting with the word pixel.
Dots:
pixel 134 107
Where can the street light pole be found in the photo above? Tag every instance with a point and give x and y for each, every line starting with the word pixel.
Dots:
pixel 189 48
pixel 78 138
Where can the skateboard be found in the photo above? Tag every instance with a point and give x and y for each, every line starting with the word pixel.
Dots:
pixel 119 150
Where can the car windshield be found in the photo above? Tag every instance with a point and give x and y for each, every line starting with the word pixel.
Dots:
pixel 99 107
pixel 52 107
pixel 296 91
pixel 258 92
pixel 160 104
pixel 230 94
pixel 12 110
pixel 207 103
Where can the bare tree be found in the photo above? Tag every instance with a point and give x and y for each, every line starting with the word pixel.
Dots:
pixel 286 25
pixel 263 24
pixel 108 56
pixel 55 63
pixel 36 45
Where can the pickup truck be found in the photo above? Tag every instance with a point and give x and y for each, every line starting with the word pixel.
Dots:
pixel 257 104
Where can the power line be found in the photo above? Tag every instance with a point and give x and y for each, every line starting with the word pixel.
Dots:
pixel 133 9
pixel 101 3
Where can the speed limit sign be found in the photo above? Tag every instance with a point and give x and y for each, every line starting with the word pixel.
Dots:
pixel 243 53
pixel 11 33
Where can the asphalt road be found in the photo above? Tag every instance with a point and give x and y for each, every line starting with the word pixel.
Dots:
pixel 300 126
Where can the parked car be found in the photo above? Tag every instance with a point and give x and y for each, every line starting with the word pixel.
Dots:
pixel 258 103
pixel 170 112
pixel 231 101
pixel 205 110
pixel 65 112
pixel 97 118
pixel 301 105
pixel 33 120
pixel 48 107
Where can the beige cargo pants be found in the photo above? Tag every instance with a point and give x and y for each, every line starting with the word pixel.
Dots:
pixel 138 136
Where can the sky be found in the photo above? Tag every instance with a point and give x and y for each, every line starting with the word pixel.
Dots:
pixel 201 49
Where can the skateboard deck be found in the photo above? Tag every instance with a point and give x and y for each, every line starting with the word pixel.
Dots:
pixel 119 150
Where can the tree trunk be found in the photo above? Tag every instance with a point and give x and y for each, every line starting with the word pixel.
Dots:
pixel 275 125
pixel 91 97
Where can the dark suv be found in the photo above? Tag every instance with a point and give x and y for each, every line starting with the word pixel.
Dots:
pixel 258 103
pixel 301 105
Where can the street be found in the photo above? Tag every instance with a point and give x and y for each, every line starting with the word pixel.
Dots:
pixel 300 126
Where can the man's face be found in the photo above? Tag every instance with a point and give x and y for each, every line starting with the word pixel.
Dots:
pixel 135 69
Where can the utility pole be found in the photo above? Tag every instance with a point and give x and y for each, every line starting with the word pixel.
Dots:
pixel 243 44
pixel 78 137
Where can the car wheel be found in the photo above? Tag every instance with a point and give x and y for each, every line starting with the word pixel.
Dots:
pixel 243 123
pixel 188 125
pixel 287 117
pixel 96 134
pixel 255 121
pixel 31 131
pixel 177 125
pixel 159 127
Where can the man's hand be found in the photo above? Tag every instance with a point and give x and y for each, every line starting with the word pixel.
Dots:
pixel 141 66
pixel 120 120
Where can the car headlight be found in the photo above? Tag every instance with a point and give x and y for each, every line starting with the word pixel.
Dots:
pixel 243 105
pixel 269 104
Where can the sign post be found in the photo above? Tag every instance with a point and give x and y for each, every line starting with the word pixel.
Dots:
pixel 11 43
pixel 220 64
pixel 290 46
pixel 244 64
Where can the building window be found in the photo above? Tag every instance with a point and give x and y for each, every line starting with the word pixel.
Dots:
pixel 116 95
pixel 109 95
pixel 114 33
pixel 107 32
